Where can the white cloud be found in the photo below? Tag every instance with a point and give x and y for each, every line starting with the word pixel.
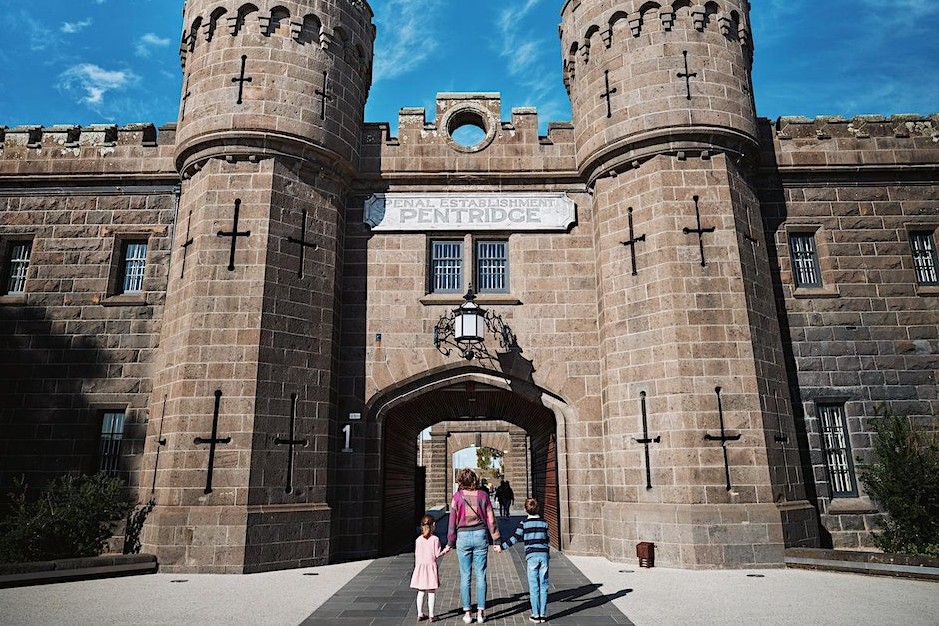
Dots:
pixel 520 49
pixel 405 37
pixel 92 82
pixel 773 20
pixel 146 44
pixel 529 58
pixel 38 35
pixel 74 27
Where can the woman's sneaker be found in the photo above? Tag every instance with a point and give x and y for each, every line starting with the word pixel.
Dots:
pixel 467 618
pixel 479 618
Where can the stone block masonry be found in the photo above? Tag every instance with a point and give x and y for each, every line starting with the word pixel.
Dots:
pixel 75 346
pixel 867 338
pixel 666 377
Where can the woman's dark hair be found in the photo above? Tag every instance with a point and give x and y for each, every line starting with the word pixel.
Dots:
pixel 467 479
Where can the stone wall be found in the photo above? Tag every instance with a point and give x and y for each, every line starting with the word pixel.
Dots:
pixel 868 337
pixel 388 315
pixel 73 346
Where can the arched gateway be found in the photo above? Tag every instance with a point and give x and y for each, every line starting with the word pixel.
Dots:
pixel 451 395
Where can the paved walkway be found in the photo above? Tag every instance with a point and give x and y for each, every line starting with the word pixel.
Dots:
pixel 584 590
pixel 380 593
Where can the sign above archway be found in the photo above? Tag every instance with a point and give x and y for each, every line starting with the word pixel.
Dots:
pixel 511 212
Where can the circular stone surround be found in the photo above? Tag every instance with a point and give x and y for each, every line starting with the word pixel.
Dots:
pixel 469 115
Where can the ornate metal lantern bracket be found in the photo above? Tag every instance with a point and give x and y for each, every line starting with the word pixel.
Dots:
pixel 464 329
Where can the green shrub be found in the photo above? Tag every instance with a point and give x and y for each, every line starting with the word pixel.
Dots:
pixel 73 517
pixel 134 528
pixel 904 481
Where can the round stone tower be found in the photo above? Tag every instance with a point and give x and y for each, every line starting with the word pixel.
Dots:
pixel 701 454
pixel 274 77
pixel 243 412
pixel 649 77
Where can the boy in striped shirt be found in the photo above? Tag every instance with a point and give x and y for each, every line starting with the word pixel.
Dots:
pixel 534 532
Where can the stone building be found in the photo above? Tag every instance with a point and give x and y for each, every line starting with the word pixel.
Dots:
pixel 693 313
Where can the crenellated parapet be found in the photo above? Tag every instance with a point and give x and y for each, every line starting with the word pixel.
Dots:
pixel 859 127
pixel 278 25
pixel 615 26
pixel 513 150
pixel 274 78
pixel 101 150
pixel 898 147
pixel 647 78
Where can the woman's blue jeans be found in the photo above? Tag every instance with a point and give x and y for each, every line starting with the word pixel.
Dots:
pixel 538 584
pixel 472 549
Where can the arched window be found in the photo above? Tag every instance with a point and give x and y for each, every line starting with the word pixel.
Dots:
pixel 280 18
pixel 310 31
pixel 193 38
pixel 245 13
pixel 619 21
pixel 214 20
pixel 682 10
pixel 649 13
pixel 710 11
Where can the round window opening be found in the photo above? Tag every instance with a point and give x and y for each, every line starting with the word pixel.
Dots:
pixel 469 130
pixel 468 135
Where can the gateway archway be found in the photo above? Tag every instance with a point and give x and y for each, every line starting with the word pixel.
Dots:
pixel 507 442
pixel 455 396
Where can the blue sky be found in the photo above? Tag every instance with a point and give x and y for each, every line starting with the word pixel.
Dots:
pixel 116 61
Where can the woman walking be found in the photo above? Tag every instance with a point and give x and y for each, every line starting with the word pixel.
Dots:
pixel 472 528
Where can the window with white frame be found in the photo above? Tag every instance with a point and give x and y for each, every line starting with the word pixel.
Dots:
pixel 446 266
pixel 837 450
pixel 133 266
pixel 924 258
pixel 17 267
pixel 805 267
pixel 492 266
pixel 112 434
pixel 487 261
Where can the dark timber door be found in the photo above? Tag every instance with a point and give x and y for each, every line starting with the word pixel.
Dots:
pixel 420 490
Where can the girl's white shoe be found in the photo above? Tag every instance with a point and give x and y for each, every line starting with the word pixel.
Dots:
pixel 467 618
pixel 479 618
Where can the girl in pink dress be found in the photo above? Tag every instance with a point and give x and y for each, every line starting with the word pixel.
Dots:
pixel 425 578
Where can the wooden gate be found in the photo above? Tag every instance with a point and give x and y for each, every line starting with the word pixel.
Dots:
pixel 399 501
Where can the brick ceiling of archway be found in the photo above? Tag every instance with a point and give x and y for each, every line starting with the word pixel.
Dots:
pixel 460 402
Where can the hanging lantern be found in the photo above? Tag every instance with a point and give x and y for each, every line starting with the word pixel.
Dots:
pixel 465 328
pixel 469 322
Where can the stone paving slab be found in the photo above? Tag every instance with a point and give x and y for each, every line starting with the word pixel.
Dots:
pixel 649 597
pixel 380 593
